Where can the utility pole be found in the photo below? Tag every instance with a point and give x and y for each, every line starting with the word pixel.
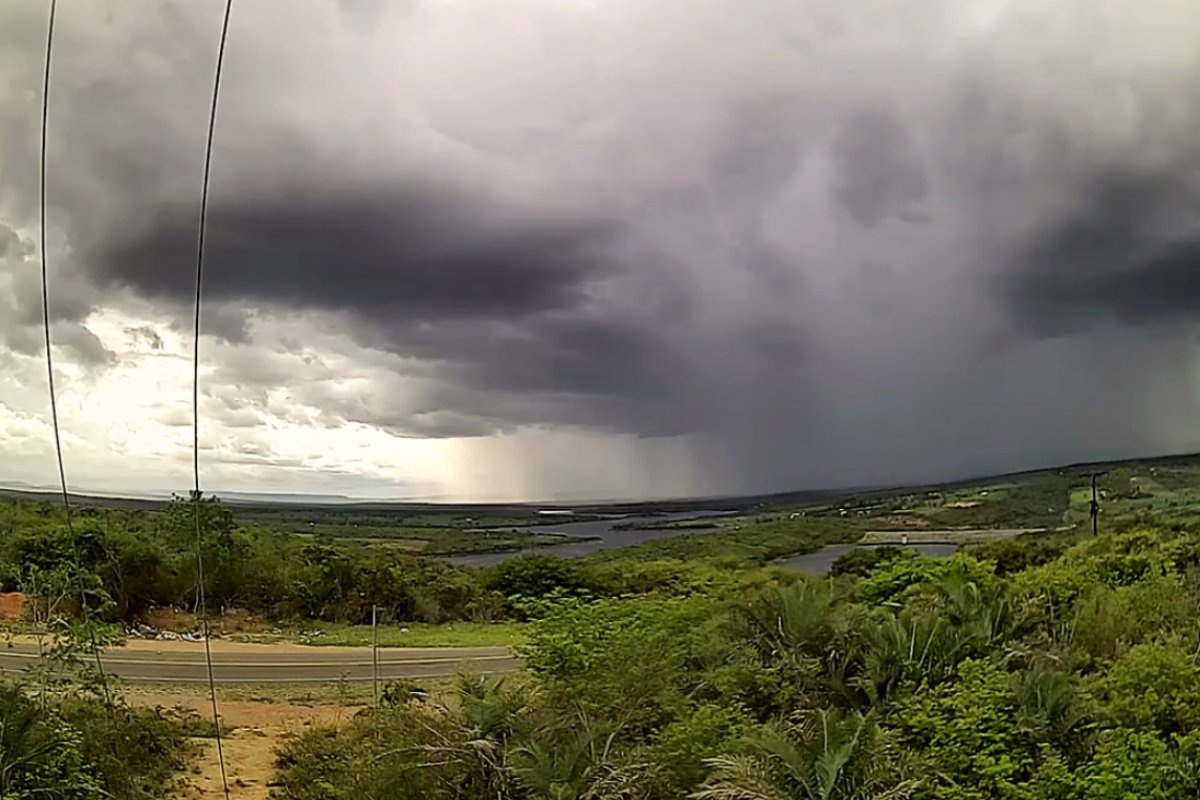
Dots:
pixel 375 653
pixel 1094 506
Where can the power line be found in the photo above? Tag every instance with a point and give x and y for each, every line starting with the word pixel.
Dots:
pixel 196 504
pixel 58 450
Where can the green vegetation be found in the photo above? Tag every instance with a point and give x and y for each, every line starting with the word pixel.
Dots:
pixel 344 519
pixel 1049 666
pixel 1070 675
pixel 135 561
pixel 416 634
pixel 753 539
pixel 84 751
pixel 62 737
pixel 427 532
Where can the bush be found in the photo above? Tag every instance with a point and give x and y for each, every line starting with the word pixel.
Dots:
pixel 968 734
pixel 639 660
pixel 136 753
pixel 1154 687
pixel 1016 555
pixel 1135 764
pixel 865 560
pixel 535 576
pixel 40 755
pixel 84 750
pixel 376 756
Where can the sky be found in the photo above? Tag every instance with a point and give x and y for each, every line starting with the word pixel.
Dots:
pixel 600 249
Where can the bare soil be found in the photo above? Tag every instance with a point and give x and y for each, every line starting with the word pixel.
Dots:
pixel 253 732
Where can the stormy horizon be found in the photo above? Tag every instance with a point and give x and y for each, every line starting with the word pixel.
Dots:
pixel 582 251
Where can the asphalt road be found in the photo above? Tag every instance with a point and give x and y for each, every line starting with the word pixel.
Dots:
pixel 233 663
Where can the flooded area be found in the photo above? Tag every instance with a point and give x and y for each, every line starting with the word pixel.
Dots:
pixel 819 562
pixel 593 536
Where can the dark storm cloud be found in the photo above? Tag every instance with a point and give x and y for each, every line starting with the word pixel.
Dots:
pixel 411 256
pixel 1127 253
pixel 86 346
pixel 228 321
pixel 145 334
pixel 779 343
pixel 879 171
pixel 678 217
pixel 10 242
pixel 504 307
pixel 760 147
pixel 484 376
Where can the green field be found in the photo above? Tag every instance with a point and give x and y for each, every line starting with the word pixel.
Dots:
pixel 414 634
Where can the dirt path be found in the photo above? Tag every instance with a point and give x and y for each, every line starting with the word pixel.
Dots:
pixel 959 536
pixel 254 731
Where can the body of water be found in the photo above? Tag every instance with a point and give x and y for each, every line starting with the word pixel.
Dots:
pixel 820 561
pixel 605 537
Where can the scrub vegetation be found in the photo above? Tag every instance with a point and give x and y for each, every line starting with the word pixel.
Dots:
pixel 1052 664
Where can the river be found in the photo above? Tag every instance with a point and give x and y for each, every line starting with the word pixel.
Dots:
pixel 820 561
pixel 605 537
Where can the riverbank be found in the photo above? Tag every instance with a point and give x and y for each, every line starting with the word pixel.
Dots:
pixel 593 536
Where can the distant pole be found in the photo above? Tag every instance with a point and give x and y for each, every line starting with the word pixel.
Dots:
pixel 375 653
pixel 1094 506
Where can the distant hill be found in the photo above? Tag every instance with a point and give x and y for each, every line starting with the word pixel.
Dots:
pixel 300 501
pixel 294 498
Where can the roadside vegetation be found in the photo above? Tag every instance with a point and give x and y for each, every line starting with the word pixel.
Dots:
pixel 1070 672
pixel 414 634
pixel 1047 666
pixel 137 562
pixel 63 736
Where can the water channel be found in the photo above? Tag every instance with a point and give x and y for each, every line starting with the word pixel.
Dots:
pixel 820 561
pixel 593 536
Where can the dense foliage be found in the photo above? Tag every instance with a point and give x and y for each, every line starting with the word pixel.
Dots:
pixel 1053 666
pixel 134 560
pixel 84 750
pixel 1040 670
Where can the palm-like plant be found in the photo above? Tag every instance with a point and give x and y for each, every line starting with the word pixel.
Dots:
pixel 799 629
pixel 572 759
pixel 984 613
pixel 35 759
pixel 23 739
pixel 910 648
pixel 472 753
pixel 798 618
pixel 828 757
pixel 1049 705
pixel 489 709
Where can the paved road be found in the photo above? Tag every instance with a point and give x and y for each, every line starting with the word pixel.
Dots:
pixel 234 663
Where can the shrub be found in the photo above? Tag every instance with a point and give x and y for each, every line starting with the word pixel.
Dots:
pixel 40 755
pixel 968 734
pixel 863 561
pixel 1153 686
pixel 136 753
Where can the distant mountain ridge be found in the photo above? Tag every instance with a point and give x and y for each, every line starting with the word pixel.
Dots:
pixel 23 490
